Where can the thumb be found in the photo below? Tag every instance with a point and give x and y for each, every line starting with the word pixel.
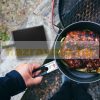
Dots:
pixel 37 80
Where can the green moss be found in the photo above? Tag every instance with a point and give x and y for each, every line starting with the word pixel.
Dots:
pixel 4 36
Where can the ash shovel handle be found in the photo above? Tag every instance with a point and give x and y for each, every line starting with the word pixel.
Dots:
pixel 47 68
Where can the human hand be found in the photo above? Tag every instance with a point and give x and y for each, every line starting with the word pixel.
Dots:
pixel 26 72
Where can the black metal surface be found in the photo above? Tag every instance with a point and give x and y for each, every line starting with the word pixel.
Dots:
pixel 79 10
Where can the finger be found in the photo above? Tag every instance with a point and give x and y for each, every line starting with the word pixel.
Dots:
pixel 37 80
pixel 35 66
pixel 36 73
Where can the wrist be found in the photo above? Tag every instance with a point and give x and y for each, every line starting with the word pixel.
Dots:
pixel 17 81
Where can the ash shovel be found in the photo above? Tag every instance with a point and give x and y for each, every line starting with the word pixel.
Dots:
pixel 74 75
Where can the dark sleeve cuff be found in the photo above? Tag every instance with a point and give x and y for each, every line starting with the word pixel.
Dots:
pixel 16 83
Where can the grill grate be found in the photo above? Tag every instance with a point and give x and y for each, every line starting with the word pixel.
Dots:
pixel 84 10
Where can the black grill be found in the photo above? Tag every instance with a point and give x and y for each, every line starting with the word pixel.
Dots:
pixel 79 10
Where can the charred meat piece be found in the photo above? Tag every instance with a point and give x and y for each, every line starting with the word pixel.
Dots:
pixel 80 49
